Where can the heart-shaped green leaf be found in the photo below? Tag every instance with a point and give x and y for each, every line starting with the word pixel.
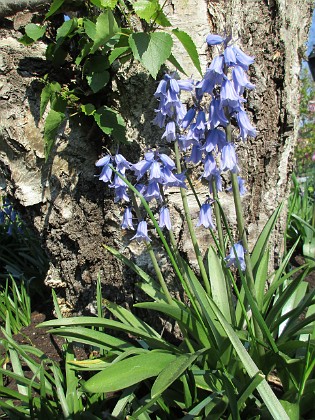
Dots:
pixel 152 50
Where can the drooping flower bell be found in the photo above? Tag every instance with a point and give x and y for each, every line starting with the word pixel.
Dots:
pixel 237 256
pixel 142 232
pixel 165 219
pixel 228 158
pixel 127 219
pixel 205 216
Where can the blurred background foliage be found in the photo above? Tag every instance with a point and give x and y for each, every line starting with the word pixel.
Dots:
pixel 305 149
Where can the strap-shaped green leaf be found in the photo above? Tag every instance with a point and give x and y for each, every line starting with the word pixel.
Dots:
pixel 152 340
pixel 129 371
pixel 92 338
pixel 266 393
pixel 173 371
pixel 219 285
pixel 261 244
pixel 185 317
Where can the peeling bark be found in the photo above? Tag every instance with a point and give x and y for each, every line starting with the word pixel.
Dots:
pixel 73 212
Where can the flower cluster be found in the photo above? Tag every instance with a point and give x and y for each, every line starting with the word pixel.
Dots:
pixel 156 173
pixel 9 218
pixel 224 83
pixel 203 133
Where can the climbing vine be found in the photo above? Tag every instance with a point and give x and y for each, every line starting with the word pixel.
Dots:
pixel 85 51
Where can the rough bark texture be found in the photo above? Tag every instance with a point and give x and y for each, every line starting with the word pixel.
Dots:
pixel 73 212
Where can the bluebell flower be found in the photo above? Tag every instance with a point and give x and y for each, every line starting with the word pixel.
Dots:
pixel 232 259
pixel 214 39
pixel 216 66
pixel 172 180
pixel 213 76
pixel 200 126
pixel 159 119
pixel 155 171
pixel 161 89
pixel 106 174
pixel 121 162
pixel 118 182
pixel 215 138
pixel 216 114
pixel 240 80
pixel 209 166
pixel 2 217
pixel 241 186
pixel 243 59
pixel 127 219
pixel 168 93
pixel 195 155
pixel 120 187
pixel 216 177
pixel 174 88
pixel 121 194
pixel 228 96
pixel 229 56
pixel 228 158
pixel 141 168
pixel 187 84
pixel 153 191
pixel 194 135
pixel 205 216
pixel 187 120
pixel 142 232
pixel 170 132
pixel 167 161
pixel 164 219
pixel 105 160
pixel 180 112
pixel 246 129
pixel 184 142
pixel 141 188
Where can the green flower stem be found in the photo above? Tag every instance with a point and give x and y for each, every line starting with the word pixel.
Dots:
pixel 248 271
pixel 242 233
pixel 190 226
pixel 191 185
pixel 199 204
pixel 240 220
pixel 152 256
pixel 250 283
pixel 217 215
pixel 186 285
pixel 160 275
pixel 157 227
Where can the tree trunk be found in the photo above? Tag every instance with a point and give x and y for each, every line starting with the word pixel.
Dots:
pixel 73 212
